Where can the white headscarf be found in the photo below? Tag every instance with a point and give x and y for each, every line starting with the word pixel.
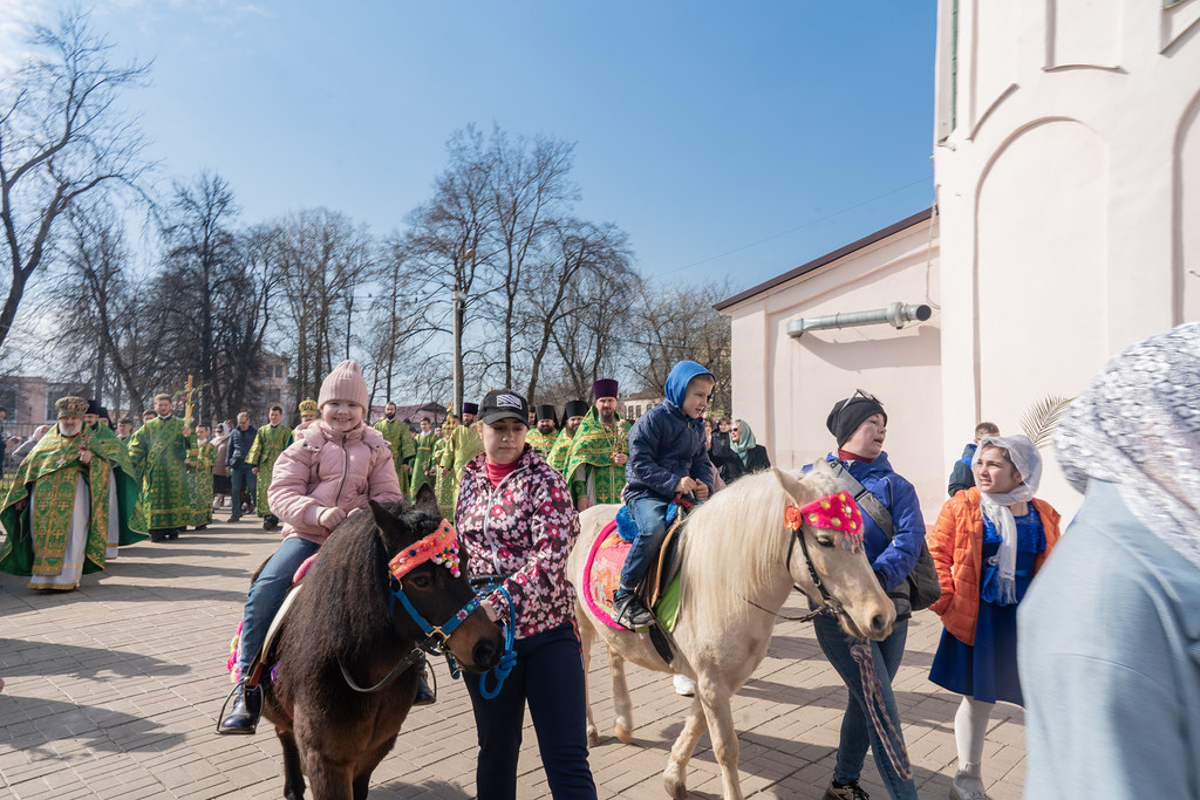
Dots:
pixel 1138 426
pixel 997 505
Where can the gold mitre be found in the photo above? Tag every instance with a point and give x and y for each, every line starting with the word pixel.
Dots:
pixel 308 407
pixel 67 407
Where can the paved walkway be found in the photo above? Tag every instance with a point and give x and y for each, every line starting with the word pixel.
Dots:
pixel 112 692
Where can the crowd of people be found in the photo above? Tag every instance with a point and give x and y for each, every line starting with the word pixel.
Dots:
pixel 1111 680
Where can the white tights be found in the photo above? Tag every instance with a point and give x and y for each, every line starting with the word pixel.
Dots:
pixel 970 728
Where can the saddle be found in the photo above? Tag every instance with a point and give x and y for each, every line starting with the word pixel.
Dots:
pixel 260 658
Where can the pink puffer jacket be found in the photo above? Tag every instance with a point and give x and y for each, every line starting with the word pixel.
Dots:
pixel 322 470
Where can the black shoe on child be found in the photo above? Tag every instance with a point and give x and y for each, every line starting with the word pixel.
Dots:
pixel 631 612
pixel 247 708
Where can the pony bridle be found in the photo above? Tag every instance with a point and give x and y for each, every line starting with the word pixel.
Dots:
pixel 440 547
pixel 833 512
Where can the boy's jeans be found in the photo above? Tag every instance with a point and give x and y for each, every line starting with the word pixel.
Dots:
pixel 650 513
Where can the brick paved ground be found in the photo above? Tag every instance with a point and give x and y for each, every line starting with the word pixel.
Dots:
pixel 112 692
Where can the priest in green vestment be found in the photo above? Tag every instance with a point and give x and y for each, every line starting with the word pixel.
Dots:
pixel 462 446
pixel 422 467
pixel 269 442
pixel 200 460
pixel 571 419
pixel 596 463
pixel 543 437
pixel 400 440
pixel 443 483
pixel 72 498
pixel 158 450
pixel 104 440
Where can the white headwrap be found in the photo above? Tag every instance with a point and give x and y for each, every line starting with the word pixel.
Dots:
pixel 1138 426
pixel 996 505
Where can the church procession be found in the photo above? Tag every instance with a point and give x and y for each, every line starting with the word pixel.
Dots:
pixel 907 509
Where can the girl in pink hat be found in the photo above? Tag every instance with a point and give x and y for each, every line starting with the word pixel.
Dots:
pixel 329 472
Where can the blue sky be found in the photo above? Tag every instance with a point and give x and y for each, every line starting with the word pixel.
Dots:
pixel 733 139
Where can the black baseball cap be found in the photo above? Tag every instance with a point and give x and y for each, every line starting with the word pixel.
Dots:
pixel 504 404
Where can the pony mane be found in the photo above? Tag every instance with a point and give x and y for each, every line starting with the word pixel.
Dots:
pixel 349 582
pixel 737 541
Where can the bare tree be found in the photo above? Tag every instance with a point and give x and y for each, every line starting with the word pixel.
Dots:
pixel 590 343
pixel 397 323
pixel 320 259
pixel 676 323
pixel 62 137
pixel 580 276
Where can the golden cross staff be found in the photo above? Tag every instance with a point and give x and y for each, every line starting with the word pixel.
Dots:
pixel 187 404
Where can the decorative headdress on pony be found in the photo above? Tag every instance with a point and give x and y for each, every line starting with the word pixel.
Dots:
pixel 440 547
pixel 836 512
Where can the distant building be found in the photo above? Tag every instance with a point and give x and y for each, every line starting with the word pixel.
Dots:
pixel 639 403
pixel 30 401
pixel 274 388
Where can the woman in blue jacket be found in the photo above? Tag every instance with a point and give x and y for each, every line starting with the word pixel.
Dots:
pixel 859 424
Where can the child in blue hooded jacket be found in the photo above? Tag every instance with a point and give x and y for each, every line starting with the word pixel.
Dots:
pixel 666 457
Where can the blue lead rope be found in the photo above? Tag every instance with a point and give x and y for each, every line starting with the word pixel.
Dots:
pixel 508 659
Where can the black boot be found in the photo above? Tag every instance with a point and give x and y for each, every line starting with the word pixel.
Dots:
pixel 631 612
pixel 425 695
pixel 158 535
pixel 247 708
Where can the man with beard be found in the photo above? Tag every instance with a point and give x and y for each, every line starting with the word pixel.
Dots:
pixel 596 464
pixel 462 446
pixel 72 499
pixel 158 451
pixel 270 440
pixel 423 463
pixel 400 440
pixel 572 417
pixel 542 439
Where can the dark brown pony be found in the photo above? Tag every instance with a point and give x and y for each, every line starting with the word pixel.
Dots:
pixel 342 617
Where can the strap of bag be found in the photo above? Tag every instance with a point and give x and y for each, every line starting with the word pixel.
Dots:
pixel 866 501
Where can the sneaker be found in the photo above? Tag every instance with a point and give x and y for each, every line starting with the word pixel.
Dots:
pixel 849 791
pixel 685 686
pixel 234 519
pixel 425 695
pixel 631 612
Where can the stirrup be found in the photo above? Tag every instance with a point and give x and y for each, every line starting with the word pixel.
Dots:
pixel 249 696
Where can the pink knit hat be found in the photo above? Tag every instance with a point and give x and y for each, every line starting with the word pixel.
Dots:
pixel 344 383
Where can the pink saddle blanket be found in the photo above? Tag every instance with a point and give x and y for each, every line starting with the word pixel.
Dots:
pixel 603 573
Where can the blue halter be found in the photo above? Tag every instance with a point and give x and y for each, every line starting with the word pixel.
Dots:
pixel 440 632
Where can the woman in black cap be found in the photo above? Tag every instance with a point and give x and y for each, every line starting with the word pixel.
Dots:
pixel 859 424
pixel 516 519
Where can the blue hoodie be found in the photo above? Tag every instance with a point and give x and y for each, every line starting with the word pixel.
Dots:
pixel 665 445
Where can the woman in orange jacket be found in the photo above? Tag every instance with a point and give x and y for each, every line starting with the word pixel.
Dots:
pixel 987 544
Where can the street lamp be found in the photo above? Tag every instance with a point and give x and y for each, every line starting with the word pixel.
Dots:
pixel 458 303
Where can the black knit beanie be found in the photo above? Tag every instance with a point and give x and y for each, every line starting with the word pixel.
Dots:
pixel 846 416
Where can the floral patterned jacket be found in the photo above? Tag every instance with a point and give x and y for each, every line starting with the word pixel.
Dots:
pixel 521 531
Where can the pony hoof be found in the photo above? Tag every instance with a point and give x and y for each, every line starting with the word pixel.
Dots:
pixel 623 734
pixel 676 789
pixel 593 736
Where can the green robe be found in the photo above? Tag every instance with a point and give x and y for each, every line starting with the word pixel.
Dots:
pixel 52 471
pixel 423 463
pixel 444 485
pixel 462 446
pixel 269 443
pixel 200 482
pixel 157 450
pixel 560 451
pixel 402 444
pixel 542 443
pixel 590 470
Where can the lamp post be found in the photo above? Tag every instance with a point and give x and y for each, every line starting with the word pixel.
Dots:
pixel 458 303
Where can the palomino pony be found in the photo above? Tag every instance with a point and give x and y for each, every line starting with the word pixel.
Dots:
pixel 345 625
pixel 740 562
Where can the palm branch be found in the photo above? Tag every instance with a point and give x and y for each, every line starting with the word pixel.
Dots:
pixel 1039 420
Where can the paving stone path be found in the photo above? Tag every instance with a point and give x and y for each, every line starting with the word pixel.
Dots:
pixel 113 691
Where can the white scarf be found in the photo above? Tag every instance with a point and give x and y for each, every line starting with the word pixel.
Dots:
pixel 997 505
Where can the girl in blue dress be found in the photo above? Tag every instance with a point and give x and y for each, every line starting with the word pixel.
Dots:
pixel 987 544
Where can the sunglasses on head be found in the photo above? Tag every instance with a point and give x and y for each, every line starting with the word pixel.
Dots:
pixel 858 394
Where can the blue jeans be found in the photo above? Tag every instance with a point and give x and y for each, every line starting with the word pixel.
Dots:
pixel 240 475
pixel 857 731
pixel 549 676
pixel 266 595
pixel 650 513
